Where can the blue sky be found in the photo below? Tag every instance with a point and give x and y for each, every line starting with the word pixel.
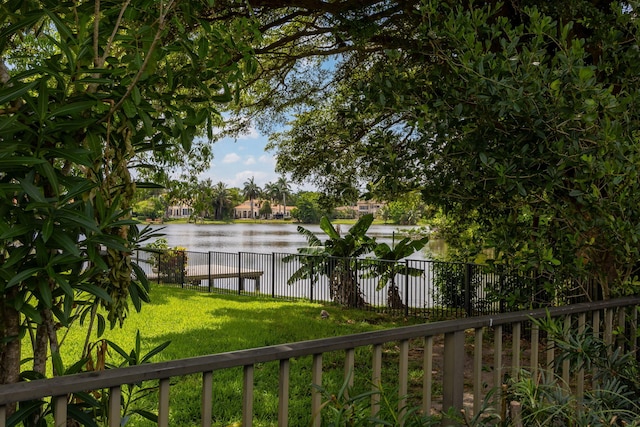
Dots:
pixel 237 160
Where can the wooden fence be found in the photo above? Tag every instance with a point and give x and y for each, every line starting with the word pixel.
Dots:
pixel 459 342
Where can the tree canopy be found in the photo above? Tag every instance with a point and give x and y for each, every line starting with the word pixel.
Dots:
pixel 88 91
pixel 523 114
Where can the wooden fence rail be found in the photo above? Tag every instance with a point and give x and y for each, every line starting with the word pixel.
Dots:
pixel 602 316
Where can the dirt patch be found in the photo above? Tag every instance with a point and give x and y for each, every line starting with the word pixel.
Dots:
pixel 488 372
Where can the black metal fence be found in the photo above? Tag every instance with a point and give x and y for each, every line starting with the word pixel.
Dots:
pixel 421 288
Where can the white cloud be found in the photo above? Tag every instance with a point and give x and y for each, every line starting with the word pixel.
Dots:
pixel 251 133
pixel 265 158
pixel 231 158
pixel 250 161
pixel 259 177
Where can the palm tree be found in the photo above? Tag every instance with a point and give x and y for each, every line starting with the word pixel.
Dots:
pixel 220 198
pixel 284 189
pixel 251 190
pixel 271 191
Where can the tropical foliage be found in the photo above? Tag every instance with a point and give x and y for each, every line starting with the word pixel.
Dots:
pixel 88 90
pixel 387 266
pixel 522 114
pixel 614 397
pixel 342 260
pixel 336 258
pixel 251 191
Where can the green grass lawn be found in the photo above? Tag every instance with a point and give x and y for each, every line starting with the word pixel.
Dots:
pixel 199 324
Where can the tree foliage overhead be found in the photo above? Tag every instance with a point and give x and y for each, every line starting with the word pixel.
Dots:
pixel 522 112
pixel 87 91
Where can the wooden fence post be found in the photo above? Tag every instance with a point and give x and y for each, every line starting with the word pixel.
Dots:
pixel 453 371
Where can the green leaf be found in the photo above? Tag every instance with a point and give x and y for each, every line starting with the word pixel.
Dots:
pixel 56 360
pixel 327 227
pixel 154 351
pixel 120 351
pixel 95 291
pixel 79 414
pixel 223 97
pixel 16 230
pixel 148 185
pixel 146 414
pixel 45 169
pixel 28 20
pixel 79 156
pixel 71 109
pixel 77 218
pixel 43 99
pixel 66 243
pixel 102 325
pixel 15 256
pixel 129 109
pixel 64 284
pixel 135 95
pixel 23 275
pixel 60 25
pixel 77 191
pixel 483 158
pixel 19 161
pixel 360 228
pixel 46 296
pixel 12 93
pixel 31 313
pixel 26 411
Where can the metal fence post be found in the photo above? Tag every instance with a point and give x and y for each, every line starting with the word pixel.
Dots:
pixel 160 267
pixel 356 286
pixel 502 272
pixel 273 275
pixel 239 275
pixel 209 270
pixel 312 263
pixel 406 287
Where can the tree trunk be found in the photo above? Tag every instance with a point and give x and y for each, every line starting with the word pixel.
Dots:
pixel 54 345
pixel 284 205
pixel 345 290
pixel 9 341
pixel 40 349
pixel 394 300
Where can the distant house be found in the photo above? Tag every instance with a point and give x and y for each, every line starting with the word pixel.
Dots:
pixel 368 207
pixel 363 207
pixel 243 210
pixel 179 211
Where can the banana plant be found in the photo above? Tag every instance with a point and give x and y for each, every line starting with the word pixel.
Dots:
pixel 387 266
pixel 336 258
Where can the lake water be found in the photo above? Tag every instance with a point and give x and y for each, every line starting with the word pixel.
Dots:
pixel 264 237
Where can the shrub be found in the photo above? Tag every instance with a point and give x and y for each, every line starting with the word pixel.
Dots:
pixel 169 263
pixel 614 398
pixel 451 284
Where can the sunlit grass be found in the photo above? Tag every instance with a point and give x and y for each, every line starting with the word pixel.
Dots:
pixel 199 324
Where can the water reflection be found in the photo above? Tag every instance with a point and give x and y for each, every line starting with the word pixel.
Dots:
pixel 257 238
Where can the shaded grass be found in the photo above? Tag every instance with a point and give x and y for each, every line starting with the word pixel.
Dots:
pixel 199 324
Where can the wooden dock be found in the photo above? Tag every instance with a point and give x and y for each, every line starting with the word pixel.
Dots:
pixel 202 272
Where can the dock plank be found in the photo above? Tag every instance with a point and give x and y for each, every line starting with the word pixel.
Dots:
pixel 215 271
